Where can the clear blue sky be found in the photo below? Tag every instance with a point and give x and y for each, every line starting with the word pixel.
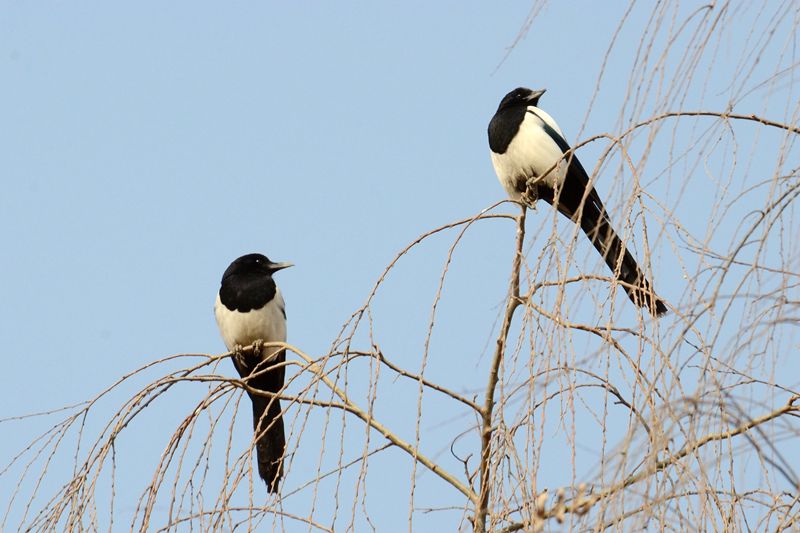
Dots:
pixel 143 147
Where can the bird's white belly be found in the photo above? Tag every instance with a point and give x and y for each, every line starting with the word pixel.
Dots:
pixel 531 154
pixel 267 323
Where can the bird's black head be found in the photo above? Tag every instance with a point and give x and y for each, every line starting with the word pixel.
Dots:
pixel 247 284
pixel 521 96
pixel 253 265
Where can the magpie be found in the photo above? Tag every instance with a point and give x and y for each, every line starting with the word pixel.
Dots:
pixel 250 310
pixel 533 161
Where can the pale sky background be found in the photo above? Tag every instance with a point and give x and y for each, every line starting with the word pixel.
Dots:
pixel 143 147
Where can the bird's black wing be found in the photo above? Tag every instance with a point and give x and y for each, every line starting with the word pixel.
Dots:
pixel 576 182
pixel 596 224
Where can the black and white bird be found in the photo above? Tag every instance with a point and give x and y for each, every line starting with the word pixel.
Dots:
pixel 250 310
pixel 530 157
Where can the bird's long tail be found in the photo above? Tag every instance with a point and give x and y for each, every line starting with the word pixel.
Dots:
pixel 270 440
pixel 596 225
pixel 267 420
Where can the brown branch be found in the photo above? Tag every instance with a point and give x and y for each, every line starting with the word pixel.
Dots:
pixel 581 505
pixel 428 383
pixel 512 303
pixel 350 407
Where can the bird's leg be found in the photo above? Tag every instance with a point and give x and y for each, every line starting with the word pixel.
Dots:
pixel 248 360
pixel 241 360
pixel 531 193
pixel 257 346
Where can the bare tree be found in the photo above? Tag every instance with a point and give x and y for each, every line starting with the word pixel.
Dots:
pixel 687 422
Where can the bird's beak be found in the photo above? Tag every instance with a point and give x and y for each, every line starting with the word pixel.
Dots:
pixel 279 266
pixel 535 95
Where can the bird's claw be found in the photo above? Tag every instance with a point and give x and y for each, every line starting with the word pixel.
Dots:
pixel 530 197
pixel 531 193
pixel 257 346
pixel 247 360
pixel 239 357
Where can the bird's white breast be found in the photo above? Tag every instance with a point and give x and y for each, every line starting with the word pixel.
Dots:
pixel 531 153
pixel 267 323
